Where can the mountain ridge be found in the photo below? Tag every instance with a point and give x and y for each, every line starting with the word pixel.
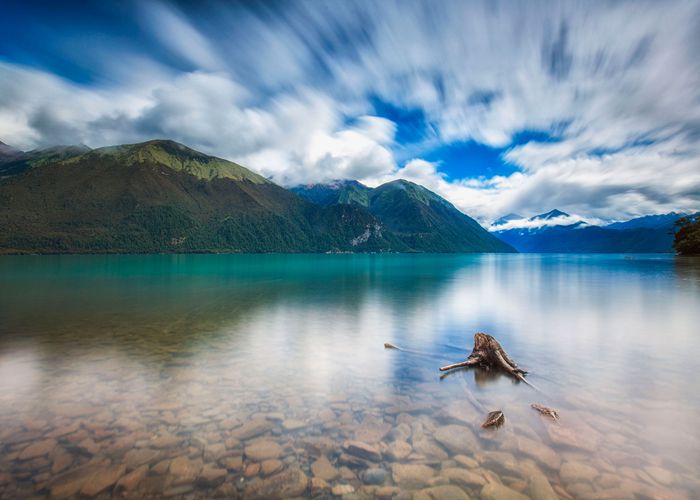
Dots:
pixel 647 234
pixel 161 196
pixel 416 215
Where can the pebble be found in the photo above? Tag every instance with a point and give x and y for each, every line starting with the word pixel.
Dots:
pixel 185 470
pixel 374 476
pixel 444 492
pixel 411 475
pixel 38 449
pixel 251 429
pixel 293 425
pixel 132 480
pixel 101 479
pixel 456 438
pixel 463 477
pixel 252 470
pixel 571 472
pixel 270 466
pixel 323 469
pixel 342 489
pixel 495 491
pixel 263 450
pixel 291 482
pixel 398 450
pixel 362 450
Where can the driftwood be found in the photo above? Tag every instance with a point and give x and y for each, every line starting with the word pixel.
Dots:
pixel 488 353
pixel 494 419
pixel 548 412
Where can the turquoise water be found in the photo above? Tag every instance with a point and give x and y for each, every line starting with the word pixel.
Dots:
pixel 146 375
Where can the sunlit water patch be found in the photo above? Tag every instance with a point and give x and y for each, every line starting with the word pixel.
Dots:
pixel 261 376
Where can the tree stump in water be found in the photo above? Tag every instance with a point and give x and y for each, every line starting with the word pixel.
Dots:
pixel 488 353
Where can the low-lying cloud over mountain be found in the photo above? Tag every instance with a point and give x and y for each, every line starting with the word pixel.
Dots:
pixel 593 107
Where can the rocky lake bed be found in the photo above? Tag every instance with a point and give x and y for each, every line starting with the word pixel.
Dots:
pixel 277 386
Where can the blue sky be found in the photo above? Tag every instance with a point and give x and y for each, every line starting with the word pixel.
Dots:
pixel 589 107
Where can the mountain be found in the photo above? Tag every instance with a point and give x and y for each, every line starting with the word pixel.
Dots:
pixel 16 162
pixel 648 221
pixel 8 153
pixel 506 218
pixel 338 191
pixel 419 218
pixel 161 196
pixel 550 215
pixel 649 234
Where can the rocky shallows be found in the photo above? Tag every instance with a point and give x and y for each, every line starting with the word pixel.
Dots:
pixel 360 442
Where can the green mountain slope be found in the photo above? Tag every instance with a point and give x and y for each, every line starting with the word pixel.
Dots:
pixel 177 157
pixel 419 218
pixel 14 162
pixel 160 196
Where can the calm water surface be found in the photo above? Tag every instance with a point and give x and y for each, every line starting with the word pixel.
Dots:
pixel 254 376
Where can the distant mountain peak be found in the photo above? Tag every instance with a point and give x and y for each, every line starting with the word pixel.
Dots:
pixel 549 215
pixel 6 149
pixel 507 218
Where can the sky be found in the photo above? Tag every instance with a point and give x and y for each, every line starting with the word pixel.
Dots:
pixel 589 107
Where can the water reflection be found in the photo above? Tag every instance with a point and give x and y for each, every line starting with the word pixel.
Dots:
pixel 148 363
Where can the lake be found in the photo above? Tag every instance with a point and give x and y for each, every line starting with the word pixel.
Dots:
pixel 196 376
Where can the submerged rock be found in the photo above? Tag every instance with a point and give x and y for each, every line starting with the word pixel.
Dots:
pixel 411 476
pixel 374 476
pixel 660 475
pixel 289 483
pixel 251 429
pixel 263 450
pixel 495 491
pixel 132 480
pixel 445 492
pixel 463 477
pixel 270 466
pixel 136 458
pixel 398 450
pixel 429 449
pixel 211 475
pixel 540 452
pixel 580 436
pixel 362 450
pixel 323 469
pixel 372 431
pixel 185 470
pixel 38 449
pixel 101 479
pixel 456 438
pixel 572 472
pixel 70 483
pixel 342 489
pixel 539 488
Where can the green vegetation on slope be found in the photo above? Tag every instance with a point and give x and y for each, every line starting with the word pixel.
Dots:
pixel 420 219
pixel 687 239
pixel 178 157
pixel 160 196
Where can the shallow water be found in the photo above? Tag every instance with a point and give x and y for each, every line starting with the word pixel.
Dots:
pixel 202 375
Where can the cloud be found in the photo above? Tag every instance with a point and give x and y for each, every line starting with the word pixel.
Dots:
pixel 525 223
pixel 175 32
pixel 289 92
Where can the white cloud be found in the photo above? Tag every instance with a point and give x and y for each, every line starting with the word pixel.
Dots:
pixel 526 223
pixel 173 30
pixel 289 92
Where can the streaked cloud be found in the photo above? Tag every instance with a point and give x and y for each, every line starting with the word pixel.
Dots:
pixel 612 90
